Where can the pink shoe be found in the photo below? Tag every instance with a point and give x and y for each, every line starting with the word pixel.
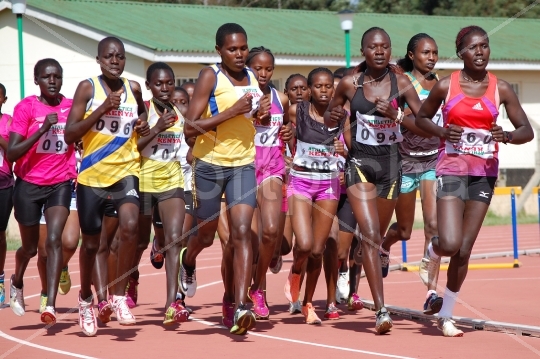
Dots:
pixel 176 313
pixel 292 287
pixel 87 318
pixel 131 293
pixel 227 309
pixel 121 309
pixel 259 304
pixel 105 311
pixel 354 303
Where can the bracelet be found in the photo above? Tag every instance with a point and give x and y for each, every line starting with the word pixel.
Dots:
pixel 400 116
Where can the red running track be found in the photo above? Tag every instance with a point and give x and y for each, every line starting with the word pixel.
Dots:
pixel 508 295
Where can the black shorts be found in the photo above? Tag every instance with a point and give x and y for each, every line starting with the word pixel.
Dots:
pixel 6 205
pixel 30 200
pixel 149 200
pixel 466 188
pixel 93 201
pixel 383 171
pixel 211 181
pixel 346 220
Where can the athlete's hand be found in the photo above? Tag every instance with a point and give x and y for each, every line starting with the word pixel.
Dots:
pixel 286 133
pixel 288 162
pixel 50 119
pixel 263 113
pixel 342 178
pixel 338 114
pixel 386 108
pixel 166 121
pixel 244 105
pixel 497 132
pixel 338 147
pixel 452 133
pixel 113 100
pixel 142 128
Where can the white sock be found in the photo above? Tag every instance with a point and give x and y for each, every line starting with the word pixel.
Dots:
pixel 430 292
pixel 449 301
pixel 431 252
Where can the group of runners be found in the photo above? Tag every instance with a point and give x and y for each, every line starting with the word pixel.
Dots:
pixel 318 169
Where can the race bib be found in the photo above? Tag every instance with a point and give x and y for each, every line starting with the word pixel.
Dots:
pixel 119 122
pixel 474 142
pixel 165 147
pixel 52 142
pixel 268 136
pixel 255 92
pixel 375 130
pixel 317 157
pixel 438 118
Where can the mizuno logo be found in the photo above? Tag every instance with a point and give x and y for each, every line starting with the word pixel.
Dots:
pixel 484 194
pixel 132 192
pixel 478 107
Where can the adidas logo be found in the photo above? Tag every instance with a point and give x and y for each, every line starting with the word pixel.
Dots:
pixel 478 107
pixel 132 192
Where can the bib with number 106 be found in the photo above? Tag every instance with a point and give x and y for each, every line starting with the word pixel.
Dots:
pixel 317 157
pixel 375 130
pixel 474 142
pixel 268 136
pixel 52 142
pixel 255 91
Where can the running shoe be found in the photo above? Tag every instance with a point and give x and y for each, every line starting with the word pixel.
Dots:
pixel 176 313
pixel 276 264
pixel 187 280
pixel 42 303
pixel 422 271
pixel 385 263
pixel 259 304
pixel 65 282
pixel 309 313
pixel 354 303
pixel 357 255
pixel 433 304
pixel 342 288
pixel 2 293
pixel 132 293
pixel 156 257
pixel 292 286
pixel 87 318
pixel 48 316
pixel 384 322
pixel 180 297
pixel 295 308
pixel 121 309
pixel 244 320
pixel 105 311
pixel 227 310
pixel 448 328
pixel 16 298
pixel 331 312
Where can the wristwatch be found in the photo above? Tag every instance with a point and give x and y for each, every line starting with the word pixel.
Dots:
pixel 507 137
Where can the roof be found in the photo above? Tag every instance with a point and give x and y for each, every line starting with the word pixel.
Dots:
pixel 176 28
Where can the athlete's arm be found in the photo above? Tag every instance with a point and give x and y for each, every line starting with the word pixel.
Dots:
pixel 166 121
pixel 413 101
pixel 347 132
pixel 195 125
pixel 523 131
pixel 292 114
pixel 430 107
pixel 18 145
pixel 335 112
pixel 3 144
pixel 141 126
pixel 75 126
pixel 287 132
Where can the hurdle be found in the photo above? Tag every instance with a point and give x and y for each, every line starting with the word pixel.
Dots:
pixel 512 191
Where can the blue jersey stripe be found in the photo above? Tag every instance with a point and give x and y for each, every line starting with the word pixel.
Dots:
pixel 103 152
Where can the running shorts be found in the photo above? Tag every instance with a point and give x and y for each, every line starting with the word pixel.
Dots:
pixel 466 188
pixel 411 181
pixel 6 205
pixel 347 222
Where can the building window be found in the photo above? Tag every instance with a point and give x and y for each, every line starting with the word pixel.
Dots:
pixel 502 109
pixel 182 80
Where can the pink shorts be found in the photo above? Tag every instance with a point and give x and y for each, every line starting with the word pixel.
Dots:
pixel 316 190
pixel 269 162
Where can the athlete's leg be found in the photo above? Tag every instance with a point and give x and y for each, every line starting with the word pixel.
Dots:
pixel 42 257
pixel 128 220
pixel 330 262
pixel 70 237
pixel 401 230
pixel 269 199
pixel 101 272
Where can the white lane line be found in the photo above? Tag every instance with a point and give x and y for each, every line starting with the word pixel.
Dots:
pixel 37 346
pixel 468 280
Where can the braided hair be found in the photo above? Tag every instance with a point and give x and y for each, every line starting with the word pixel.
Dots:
pixel 406 62
pixel 257 51
pixel 466 31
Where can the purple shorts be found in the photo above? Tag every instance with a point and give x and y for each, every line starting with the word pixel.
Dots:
pixel 316 190
pixel 269 162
